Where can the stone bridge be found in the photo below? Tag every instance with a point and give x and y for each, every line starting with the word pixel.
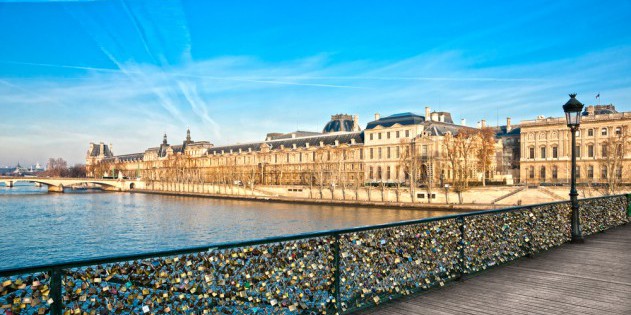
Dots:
pixel 58 184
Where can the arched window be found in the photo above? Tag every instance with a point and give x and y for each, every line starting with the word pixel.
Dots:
pixel 378 172
pixel 388 172
pixel 604 172
pixel 531 172
pixel 554 172
pixel 542 173
pixel 371 175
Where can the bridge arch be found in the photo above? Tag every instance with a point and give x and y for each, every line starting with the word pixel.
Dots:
pixel 57 184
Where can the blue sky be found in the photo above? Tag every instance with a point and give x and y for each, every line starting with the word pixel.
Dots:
pixel 74 72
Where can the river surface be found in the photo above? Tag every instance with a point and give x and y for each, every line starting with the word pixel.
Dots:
pixel 39 228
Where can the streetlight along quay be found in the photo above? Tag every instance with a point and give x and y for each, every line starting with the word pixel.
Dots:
pixel 573 109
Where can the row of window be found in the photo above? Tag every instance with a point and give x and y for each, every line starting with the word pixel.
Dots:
pixel 590 172
pixel 379 175
pixel 388 134
pixel 603 131
pixel 604 151
pixel 543 152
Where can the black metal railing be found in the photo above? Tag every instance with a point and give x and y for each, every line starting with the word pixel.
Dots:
pixel 315 273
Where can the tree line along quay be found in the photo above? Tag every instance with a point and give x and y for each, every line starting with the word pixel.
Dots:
pixel 403 157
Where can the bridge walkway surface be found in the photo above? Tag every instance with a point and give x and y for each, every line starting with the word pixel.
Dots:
pixel 589 278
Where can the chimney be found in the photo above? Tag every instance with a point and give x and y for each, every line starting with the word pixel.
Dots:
pixel 591 110
pixel 441 117
pixel 293 135
pixel 111 148
pixel 377 116
pixel 483 123
pixel 463 122
pixel 427 114
pixel 101 148
pixel 508 126
pixel 355 123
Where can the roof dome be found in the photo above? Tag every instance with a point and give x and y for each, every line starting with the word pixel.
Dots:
pixel 342 122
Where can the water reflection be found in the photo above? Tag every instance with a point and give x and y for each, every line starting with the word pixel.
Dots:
pixel 42 228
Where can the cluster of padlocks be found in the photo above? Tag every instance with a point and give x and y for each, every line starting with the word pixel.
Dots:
pixel 322 274
pixel 600 214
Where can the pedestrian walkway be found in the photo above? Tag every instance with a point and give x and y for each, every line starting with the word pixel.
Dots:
pixel 590 278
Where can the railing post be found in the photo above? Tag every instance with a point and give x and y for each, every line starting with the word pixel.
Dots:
pixel 336 273
pixel 55 292
pixel 461 255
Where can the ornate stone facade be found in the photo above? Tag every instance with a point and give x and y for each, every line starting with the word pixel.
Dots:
pixel 394 150
pixel 603 147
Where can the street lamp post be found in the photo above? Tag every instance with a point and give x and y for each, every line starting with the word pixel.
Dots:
pixel 573 109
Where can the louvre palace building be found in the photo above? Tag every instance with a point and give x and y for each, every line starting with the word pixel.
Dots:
pixel 429 150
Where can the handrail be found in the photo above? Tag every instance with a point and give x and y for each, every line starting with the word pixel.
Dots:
pixel 267 240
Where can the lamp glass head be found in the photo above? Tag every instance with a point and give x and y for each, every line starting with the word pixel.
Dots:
pixel 573 109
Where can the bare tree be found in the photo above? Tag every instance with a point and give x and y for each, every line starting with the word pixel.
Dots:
pixel 56 168
pixel 458 150
pixel 409 163
pixel 485 150
pixel 77 171
pixel 613 151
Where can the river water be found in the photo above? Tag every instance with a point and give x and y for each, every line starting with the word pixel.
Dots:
pixel 38 228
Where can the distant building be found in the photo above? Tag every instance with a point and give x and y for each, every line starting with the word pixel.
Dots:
pixel 603 148
pixel 508 159
pixel 342 154
pixel 96 154
pixel 20 170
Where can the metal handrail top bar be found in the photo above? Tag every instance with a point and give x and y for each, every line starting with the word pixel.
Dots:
pixel 268 240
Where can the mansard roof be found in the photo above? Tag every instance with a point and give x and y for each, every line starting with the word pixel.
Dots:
pixel 327 139
pixel 501 131
pixel 130 157
pixel 401 119
pixel 96 150
pixel 289 135
pixel 436 128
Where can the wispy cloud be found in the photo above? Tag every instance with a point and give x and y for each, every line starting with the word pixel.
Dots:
pixel 149 83
pixel 231 99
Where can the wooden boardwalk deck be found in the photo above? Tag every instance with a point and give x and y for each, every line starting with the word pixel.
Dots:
pixel 590 278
